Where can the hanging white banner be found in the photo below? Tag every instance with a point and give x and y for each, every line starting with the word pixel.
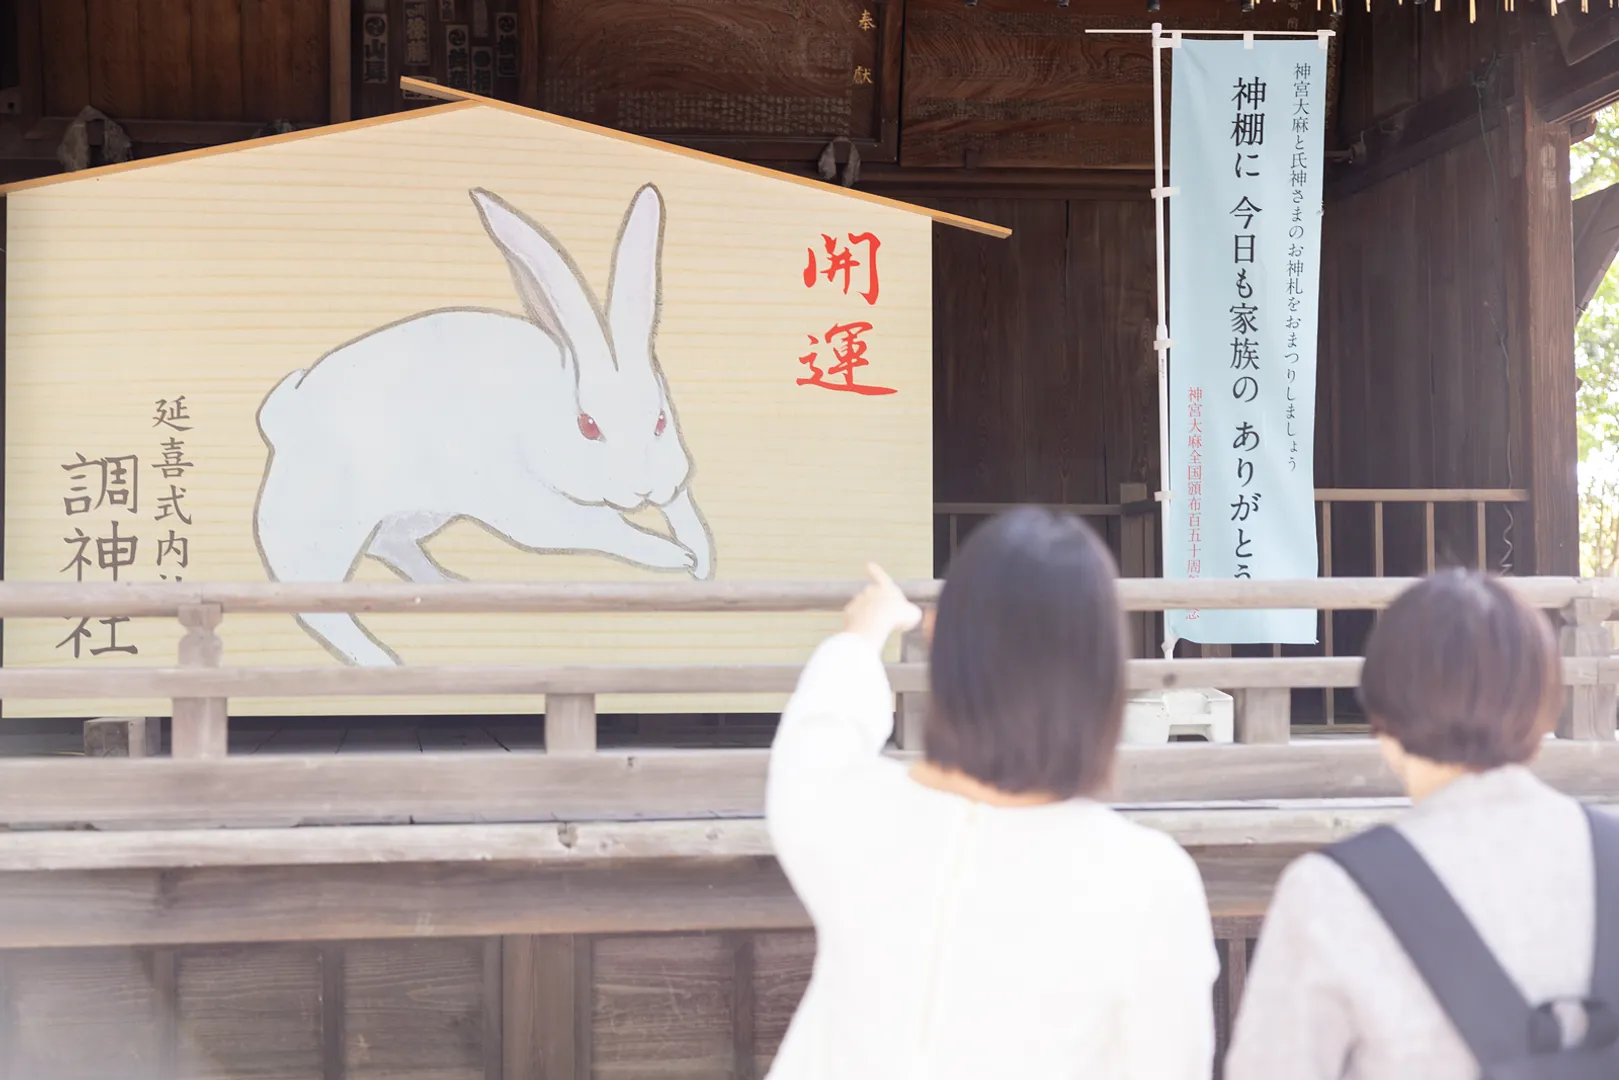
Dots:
pixel 1245 153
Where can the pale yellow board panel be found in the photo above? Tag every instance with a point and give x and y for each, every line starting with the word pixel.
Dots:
pixel 215 278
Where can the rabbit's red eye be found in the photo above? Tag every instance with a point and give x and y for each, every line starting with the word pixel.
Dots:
pixel 663 422
pixel 588 428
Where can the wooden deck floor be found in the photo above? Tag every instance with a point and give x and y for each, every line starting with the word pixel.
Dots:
pixel 415 734
pixel 314 735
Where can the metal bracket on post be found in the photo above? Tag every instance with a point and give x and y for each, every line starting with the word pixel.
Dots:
pixel 201 726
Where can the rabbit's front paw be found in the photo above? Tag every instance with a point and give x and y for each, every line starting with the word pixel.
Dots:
pixel 701 566
pixel 661 553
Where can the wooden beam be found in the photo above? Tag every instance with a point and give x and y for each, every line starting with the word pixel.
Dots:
pixel 743 1034
pixel 1569 92
pixel 333 1009
pixel 323 903
pixel 149 599
pixel 326 903
pixel 1305 821
pixel 48 131
pixel 340 73
pixel 494 1008
pixel 1596 242
pixel 544 1014
pixel 1583 33
pixel 573 728
pixel 30 58
pixel 1433 125
pixel 570 723
pixel 528 53
pixel 464 787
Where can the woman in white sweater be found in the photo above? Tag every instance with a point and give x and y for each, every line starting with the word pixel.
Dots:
pixel 979 914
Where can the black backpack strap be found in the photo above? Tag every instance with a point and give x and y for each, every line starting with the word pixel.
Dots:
pixel 1482 1001
pixel 1605 849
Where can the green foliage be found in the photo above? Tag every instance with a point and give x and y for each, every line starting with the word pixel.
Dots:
pixel 1594 166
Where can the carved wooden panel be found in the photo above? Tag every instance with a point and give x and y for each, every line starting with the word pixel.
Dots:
pixel 469 44
pixel 1020 84
pixel 760 78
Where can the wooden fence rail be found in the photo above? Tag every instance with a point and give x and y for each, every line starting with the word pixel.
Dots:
pixel 200 687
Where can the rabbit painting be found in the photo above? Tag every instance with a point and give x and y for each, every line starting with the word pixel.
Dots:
pixel 546 429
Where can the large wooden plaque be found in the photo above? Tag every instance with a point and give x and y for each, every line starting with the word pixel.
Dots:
pixel 468 341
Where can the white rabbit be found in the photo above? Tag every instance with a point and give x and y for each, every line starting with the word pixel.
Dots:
pixel 545 430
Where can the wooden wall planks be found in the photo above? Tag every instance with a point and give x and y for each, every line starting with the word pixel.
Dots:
pixel 1418 371
pixel 1021 84
pixel 185 60
pixel 414 1009
pixel 1045 387
pixel 645 1007
pixel 248 1011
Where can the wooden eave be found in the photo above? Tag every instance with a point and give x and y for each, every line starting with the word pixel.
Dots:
pixel 457 100
pixel 1596 242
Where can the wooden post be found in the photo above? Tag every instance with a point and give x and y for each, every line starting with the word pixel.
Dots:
pixel 546 996
pixel 743 1006
pixel 911 716
pixel 1543 276
pixel 528 56
pixel 1264 715
pixel 123 736
pixel 570 723
pixel 341 63
pixel 1589 712
pixel 1135 561
pixel 201 728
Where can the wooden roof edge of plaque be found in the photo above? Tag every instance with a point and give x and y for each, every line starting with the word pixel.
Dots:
pixel 455 100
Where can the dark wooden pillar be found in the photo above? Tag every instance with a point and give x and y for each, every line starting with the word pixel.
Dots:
pixel 546 1005
pixel 1544 233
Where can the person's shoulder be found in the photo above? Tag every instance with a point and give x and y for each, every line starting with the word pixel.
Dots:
pixel 1152 857
pixel 1315 884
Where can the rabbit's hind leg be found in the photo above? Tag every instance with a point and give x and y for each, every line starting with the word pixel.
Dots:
pixel 398 543
pixel 305 543
pixel 347 640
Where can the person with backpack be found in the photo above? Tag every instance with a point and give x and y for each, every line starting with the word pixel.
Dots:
pixel 1478 937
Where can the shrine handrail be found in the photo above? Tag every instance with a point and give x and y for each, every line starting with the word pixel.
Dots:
pixel 144 599
pixel 200 686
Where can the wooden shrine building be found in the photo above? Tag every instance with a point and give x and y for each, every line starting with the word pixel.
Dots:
pixel 451 903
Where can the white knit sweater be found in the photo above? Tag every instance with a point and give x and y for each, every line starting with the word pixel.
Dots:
pixel 959 940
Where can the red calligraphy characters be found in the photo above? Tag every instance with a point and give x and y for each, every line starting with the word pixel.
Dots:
pixel 841 262
pixel 843 266
pixel 848 354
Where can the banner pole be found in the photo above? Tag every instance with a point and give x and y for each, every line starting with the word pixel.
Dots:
pixel 1161 339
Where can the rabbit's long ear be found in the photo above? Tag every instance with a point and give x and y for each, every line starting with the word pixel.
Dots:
pixel 632 299
pixel 550 286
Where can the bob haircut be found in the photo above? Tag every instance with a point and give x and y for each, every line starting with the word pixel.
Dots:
pixel 1459 670
pixel 1028 658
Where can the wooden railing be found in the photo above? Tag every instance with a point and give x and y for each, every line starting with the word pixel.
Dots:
pixel 1139 554
pixel 200 688
pixel 1135 502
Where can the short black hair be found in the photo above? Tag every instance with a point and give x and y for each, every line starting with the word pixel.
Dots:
pixel 1028 661
pixel 1461 670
